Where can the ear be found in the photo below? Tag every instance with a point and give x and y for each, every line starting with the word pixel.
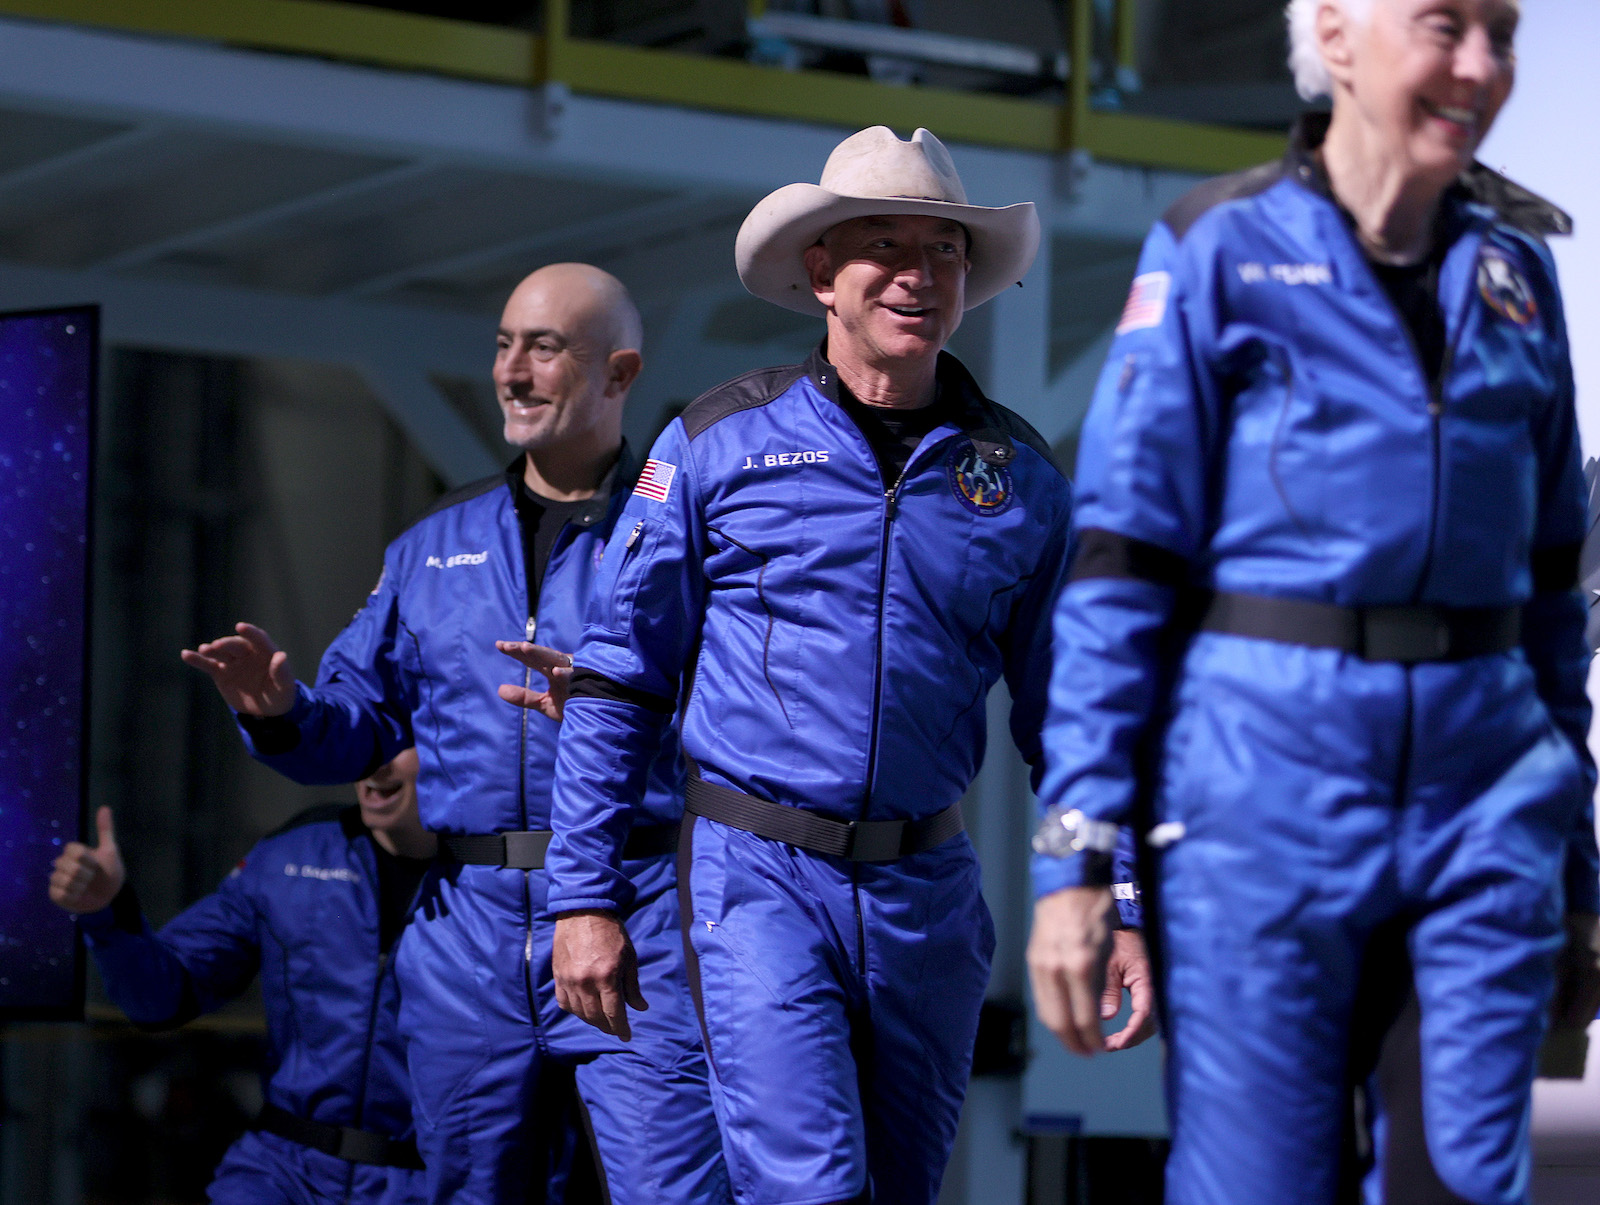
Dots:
pixel 622 370
pixel 819 268
pixel 1335 36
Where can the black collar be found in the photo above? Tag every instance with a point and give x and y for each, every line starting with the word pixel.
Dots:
pixel 619 479
pixel 1478 185
pixel 969 409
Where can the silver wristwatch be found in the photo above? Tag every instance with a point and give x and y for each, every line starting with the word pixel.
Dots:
pixel 1064 833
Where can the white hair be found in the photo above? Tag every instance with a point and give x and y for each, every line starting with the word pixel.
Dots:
pixel 1311 77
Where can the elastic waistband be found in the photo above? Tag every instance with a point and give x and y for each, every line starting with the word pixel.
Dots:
pixel 526 850
pixel 342 1142
pixel 1403 634
pixel 857 840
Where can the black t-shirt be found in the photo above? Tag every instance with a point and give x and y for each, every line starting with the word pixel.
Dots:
pixel 894 434
pixel 398 880
pixel 541 520
pixel 1414 289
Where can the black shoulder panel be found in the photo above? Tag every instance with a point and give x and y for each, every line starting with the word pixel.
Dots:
pixel 1021 431
pixel 742 393
pixel 464 493
pixel 1187 210
pixel 1518 207
pixel 320 813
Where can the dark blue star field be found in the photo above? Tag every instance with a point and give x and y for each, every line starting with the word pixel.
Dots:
pixel 47 373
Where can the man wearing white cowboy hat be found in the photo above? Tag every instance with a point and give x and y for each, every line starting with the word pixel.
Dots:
pixel 823 570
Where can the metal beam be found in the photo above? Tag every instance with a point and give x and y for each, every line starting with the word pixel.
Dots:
pixel 441 436
pixel 78 158
pixel 574 236
pixel 395 347
pixel 256 219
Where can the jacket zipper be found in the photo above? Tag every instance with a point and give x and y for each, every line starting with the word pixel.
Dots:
pixel 372 1026
pixel 1435 404
pixel 891 498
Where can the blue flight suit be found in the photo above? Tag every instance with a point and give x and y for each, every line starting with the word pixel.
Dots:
pixel 488 1044
pixel 301 910
pixel 1264 430
pixel 831 638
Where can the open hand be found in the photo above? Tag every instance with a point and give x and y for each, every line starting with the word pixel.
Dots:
pixel 251 673
pixel 556 667
pixel 86 880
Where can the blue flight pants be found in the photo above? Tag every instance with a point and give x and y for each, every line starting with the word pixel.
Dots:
pixel 492 1056
pixel 840 1002
pixel 264 1169
pixel 1324 798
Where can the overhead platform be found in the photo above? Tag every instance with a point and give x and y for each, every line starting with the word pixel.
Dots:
pixel 234 201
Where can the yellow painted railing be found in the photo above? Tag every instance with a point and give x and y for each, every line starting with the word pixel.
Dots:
pixel 357 33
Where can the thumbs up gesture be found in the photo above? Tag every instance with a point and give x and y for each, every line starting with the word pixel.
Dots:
pixel 85 880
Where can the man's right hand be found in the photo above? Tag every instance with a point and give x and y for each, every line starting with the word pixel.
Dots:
pixel 252 674
pixel 596 970
pixel 1067 954
pixel 85 880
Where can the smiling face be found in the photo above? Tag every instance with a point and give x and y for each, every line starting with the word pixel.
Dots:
pixel 894 286
pixel 1426 77
pixel 566 354
pixel 388 796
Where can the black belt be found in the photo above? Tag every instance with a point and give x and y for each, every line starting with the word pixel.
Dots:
pixel 525 851
pixel 1405 634
pixel 353 1146
pixel 857 840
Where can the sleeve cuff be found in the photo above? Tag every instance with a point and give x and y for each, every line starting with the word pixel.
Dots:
pixel 584 904
pixel 1086 869
pixel 123 915
pixel 272 735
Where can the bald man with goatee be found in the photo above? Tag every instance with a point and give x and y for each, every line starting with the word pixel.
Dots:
pixel 492 1055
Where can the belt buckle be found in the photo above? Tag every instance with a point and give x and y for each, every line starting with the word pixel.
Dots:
pixel 526 851
pixel 875 840
pixel 1405 634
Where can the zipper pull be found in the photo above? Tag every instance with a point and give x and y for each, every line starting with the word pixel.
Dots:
pixel 633 536
pixel 533 626
pixel 1435 408
pixel 891 502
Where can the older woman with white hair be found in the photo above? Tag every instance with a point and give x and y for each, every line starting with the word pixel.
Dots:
pixel 1321 643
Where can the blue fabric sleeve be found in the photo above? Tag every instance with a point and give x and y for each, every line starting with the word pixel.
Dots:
pixel 358 715
pixel 205 957
pixel 643 623
pixel 1142 472
pixel 1553 622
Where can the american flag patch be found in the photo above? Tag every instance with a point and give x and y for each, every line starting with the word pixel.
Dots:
pixel 656 479
pixel 1147 302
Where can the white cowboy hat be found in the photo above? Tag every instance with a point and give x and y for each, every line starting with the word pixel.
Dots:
pixel 872 173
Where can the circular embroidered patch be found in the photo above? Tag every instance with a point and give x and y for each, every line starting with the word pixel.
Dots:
pixel 981 487
pixel 1504 288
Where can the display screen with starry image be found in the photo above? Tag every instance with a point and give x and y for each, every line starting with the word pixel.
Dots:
pixel 47 387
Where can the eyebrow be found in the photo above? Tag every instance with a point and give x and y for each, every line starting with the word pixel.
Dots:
pixel 538 332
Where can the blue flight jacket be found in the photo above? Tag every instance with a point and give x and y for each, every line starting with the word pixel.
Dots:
pixel 301 910
pixel 832 642
pixel 418 665
pixel 1264 425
